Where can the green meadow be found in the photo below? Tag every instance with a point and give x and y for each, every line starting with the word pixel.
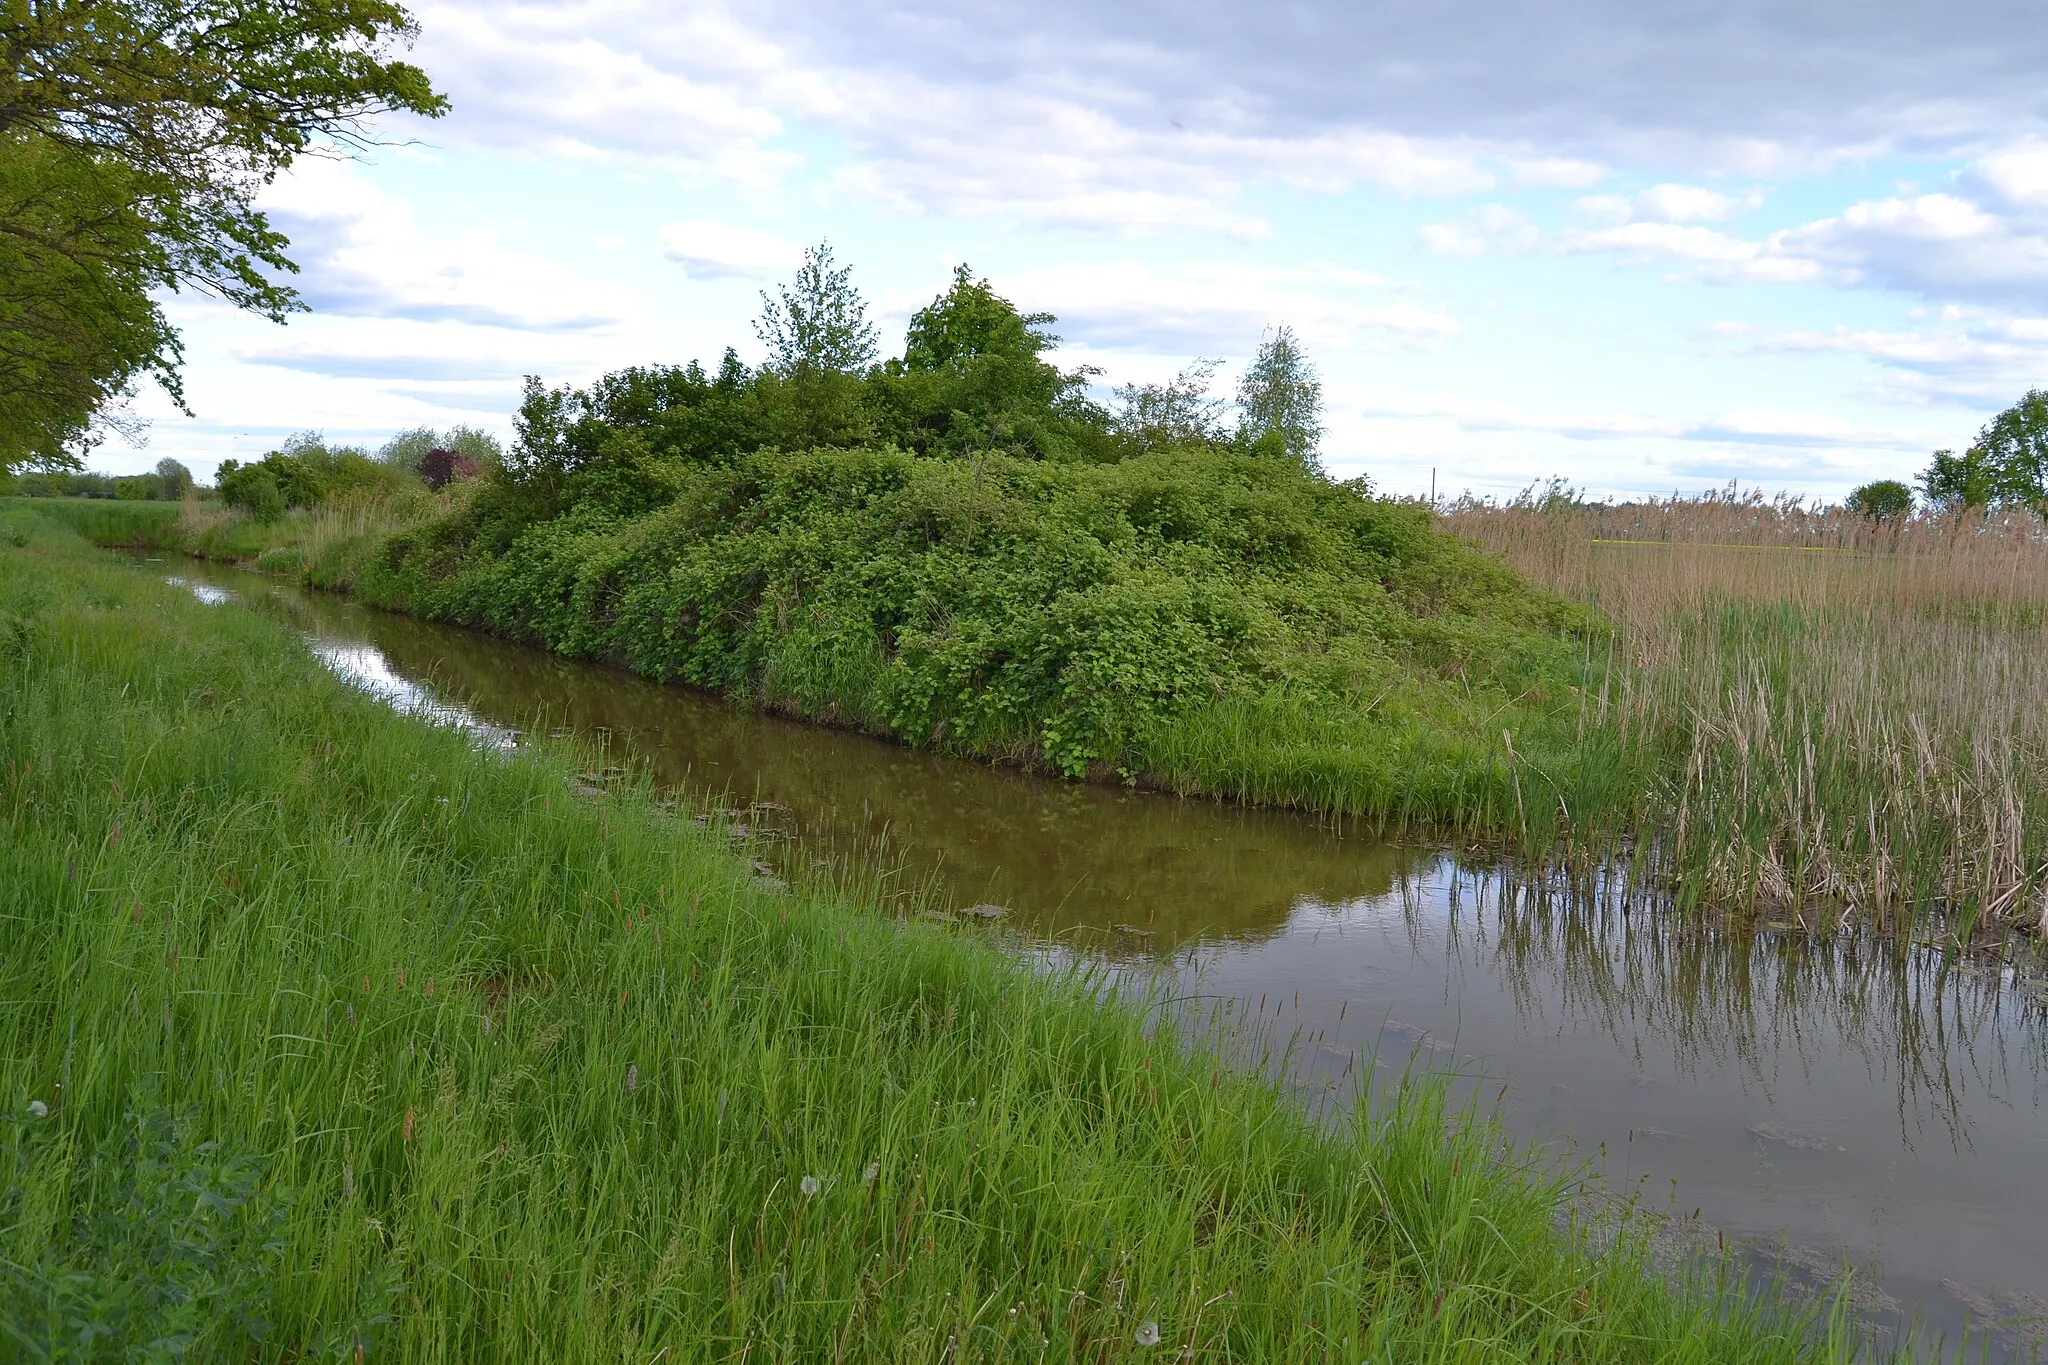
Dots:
pixel 328 1034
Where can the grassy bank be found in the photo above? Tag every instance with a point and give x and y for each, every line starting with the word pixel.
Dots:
pixel 327 544
pixel 1838 714
pixel 323 1028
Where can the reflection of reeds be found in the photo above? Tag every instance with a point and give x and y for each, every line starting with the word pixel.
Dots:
pixel 1763 1005
pixel 1835 711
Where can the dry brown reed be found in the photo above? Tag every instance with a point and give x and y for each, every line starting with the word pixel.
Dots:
pixel 1837 712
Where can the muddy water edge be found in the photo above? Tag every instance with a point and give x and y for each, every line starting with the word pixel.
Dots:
pixel 1838 1107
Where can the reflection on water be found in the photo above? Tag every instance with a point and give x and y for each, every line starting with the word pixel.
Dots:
pixel 363 665
pixel 1840 1100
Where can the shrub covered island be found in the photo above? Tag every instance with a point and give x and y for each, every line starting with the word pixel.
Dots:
pixel 959 547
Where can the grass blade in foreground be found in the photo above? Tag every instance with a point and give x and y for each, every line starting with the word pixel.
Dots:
pixel 325 1031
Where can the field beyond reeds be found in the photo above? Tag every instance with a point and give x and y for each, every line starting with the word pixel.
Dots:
pixel 328 1035
pixel 1840 715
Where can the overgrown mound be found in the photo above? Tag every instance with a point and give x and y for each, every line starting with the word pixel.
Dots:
pixel 1070 614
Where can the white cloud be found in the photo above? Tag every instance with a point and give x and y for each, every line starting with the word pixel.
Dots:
pixel 1215 308
pixel 1755 430
pixel 362 252
pixel 709 249
pixel 1488 227
pixel 1718 254
pixel 1670 203
pixel 1971 361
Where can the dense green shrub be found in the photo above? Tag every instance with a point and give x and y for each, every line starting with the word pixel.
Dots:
pixel 304 473
pixel 1009 607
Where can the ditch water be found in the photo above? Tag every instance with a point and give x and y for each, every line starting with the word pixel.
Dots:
pixel 1826 1103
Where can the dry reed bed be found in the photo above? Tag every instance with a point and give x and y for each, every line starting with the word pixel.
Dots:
pixel 1836 714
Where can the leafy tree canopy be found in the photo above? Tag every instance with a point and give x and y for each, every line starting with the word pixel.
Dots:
pixel 1281 399
pixel 2007 465
pixel 134 136
pixel 1882 500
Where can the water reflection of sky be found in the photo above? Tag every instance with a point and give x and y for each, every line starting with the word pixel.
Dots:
pixel 1847 1100
pixel 364 666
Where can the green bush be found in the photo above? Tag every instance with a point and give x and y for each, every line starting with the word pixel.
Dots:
pixel 1054 613
pixel 304 473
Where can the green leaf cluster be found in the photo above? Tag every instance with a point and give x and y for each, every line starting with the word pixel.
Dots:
pixel 134 137
pixel 304 473
pixel 2006 467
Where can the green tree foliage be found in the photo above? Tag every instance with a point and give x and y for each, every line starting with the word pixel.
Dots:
pixel 819 339
pixel 1280 399
pixel 303 473
pixel 973 381
pixel 1882 500
pixel 77 322
pixel 439 458
pixel 1175 415
pixel 2006 467
pixel 177 480
pixel 134 137
pixel 973 378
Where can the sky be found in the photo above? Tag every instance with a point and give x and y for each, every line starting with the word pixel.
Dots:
pixel 1641 245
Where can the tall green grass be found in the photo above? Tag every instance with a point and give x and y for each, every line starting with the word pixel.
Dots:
pixel 328 1035
pixel 104 521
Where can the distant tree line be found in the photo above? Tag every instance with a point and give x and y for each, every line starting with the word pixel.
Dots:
pixel 306 471
pixel 169 481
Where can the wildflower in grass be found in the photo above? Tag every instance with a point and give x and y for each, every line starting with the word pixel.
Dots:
pixel 867 1177
pixel 811 1186
pixel 632 1077
pixel 38 1110
pixel 1148 1334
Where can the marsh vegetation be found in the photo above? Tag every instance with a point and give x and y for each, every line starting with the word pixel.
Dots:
pixel 336 1034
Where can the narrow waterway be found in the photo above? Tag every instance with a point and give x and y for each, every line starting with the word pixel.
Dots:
pixel 1827 1103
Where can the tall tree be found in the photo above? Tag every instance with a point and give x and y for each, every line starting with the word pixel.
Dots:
pixel 1175 414
pixel 134 137
pixel 818 322
pixel 973 379
pixel 1280 399
pixel 819 339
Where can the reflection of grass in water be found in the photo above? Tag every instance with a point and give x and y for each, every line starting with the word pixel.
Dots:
pixel 551 1076
pixel 1615 958
pixel 1862 727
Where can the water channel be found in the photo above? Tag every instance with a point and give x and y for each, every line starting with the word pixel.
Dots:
pixel 1824 1102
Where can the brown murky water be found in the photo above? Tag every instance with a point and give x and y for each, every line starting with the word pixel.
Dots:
pixel 1828 1103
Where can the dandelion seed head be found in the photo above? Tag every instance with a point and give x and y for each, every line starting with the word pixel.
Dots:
pixel 1148 1334
pixel 867 1177
pixel 810 1186
pixel 38 1110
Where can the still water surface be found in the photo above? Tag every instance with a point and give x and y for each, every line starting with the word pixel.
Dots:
pixel 1829 1102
